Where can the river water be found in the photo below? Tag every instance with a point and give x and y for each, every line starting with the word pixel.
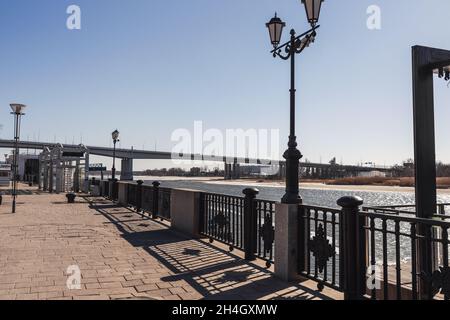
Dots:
pixel 315 197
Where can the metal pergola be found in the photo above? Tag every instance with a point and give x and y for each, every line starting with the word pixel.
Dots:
pixel 63 170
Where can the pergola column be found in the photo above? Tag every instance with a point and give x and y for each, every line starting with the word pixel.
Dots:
pixel 425 62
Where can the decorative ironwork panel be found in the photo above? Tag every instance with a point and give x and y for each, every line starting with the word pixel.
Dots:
pixel 268 233
pixel 222 219
pixel 132 194
pixel 321 248
pixel 164 195
pixel 320 245
pixel 265 211
pixel 147 198
pixel 222 225
pixel 440 282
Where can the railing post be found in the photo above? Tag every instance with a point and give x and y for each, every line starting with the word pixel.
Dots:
pixel 156 185
pixel 250 223
pixel 201 216
pixel 114 195
pixel 139 195
pixel 303 236
pixel 353 248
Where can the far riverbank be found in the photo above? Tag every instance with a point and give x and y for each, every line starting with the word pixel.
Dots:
pixel 280 184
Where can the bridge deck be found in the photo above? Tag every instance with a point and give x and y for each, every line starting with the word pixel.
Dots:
pixel 161 155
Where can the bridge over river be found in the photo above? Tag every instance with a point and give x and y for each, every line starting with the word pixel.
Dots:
pixel 232 164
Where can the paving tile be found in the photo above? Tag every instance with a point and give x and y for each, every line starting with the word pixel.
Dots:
pixel 146 287
pixel 132 283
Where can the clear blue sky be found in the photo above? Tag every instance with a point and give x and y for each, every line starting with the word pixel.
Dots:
pixel 149 67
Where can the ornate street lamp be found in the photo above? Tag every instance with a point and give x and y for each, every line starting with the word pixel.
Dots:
pixel 17 111
pixel 275 26
pixel 115 137
pixel 312 8
pixel 288 51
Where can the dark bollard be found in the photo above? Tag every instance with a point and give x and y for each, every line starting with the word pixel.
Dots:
pixel 70 197
pixel 250 223
pixel 354 248
pixel 156 185
pixel 139 195
pixel 1 199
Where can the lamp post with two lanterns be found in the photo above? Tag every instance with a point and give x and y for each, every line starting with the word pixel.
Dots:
pixel 288 51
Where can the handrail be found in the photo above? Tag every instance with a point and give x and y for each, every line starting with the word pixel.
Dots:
pixel 406 206
pixel 386 210
pixel 432 222
pixel 327 209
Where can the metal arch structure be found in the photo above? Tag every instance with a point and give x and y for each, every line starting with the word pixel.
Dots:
pixel 63 169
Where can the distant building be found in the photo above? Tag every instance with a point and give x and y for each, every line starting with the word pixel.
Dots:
pixel 28 165
pixel 258 170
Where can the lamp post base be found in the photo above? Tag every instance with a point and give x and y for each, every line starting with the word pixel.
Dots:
pixel 291 198
pixel 292 156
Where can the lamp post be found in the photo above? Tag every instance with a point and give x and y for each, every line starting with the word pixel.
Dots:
pixel 295 46
pixel 17 112
pixel 115 137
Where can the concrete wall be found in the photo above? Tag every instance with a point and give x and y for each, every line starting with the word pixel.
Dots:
pixel 185 206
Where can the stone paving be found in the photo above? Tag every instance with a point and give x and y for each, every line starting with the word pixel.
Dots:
pixel 121 255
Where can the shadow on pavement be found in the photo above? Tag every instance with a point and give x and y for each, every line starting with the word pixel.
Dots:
pixel 212 272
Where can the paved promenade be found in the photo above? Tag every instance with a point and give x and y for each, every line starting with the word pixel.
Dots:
pixel 121 255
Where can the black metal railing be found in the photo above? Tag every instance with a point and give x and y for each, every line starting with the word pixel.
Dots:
pixel 222 219
pixel 372 255
pixel 265 211
pixel 244 223
pixel 132 195
pixel 147 204
pixel 141 197
pixel 441 209
pixel 397 257
pixel 320 243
